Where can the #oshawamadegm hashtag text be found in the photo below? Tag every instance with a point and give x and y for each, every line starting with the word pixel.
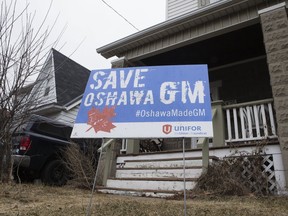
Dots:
pixel 170 113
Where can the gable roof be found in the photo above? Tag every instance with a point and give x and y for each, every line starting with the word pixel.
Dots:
pixel 70 78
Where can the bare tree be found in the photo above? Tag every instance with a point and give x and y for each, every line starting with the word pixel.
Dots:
pixel 22 51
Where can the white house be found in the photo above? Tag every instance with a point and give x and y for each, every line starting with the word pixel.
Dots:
pixel 59 87
pixel 244 44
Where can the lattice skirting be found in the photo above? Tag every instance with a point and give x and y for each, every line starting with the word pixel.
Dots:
pixel 257 171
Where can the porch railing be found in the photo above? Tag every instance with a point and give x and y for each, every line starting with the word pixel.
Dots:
pixel 250 121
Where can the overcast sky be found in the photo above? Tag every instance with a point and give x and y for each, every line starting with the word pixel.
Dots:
pixel 94 23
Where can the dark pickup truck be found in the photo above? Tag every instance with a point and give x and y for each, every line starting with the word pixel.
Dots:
pixel 38 149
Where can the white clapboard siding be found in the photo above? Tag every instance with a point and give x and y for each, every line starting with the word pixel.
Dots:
pixel 179 7
pixel 66 116
pixel 46 79
pixel 176 8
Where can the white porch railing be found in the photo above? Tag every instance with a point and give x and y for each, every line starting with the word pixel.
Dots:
pixel 250 121
pixel 123 149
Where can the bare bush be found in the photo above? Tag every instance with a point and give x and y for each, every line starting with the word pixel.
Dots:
pixel 237 175
pixel 81 163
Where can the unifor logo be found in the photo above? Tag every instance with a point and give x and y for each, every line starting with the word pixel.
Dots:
pixel 167 128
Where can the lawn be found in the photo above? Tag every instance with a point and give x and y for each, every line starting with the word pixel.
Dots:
pixel 28 199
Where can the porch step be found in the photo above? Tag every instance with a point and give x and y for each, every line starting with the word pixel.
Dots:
pixel 165 162
pixel 155 174
pixel 136 192
pixel 158 184
pixel 159 172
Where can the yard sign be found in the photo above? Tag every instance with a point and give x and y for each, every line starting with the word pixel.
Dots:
pixel 141 102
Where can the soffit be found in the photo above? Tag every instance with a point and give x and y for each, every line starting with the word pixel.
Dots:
pixel 184 29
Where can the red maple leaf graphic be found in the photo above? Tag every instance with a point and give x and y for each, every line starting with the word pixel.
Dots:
pixel 100 121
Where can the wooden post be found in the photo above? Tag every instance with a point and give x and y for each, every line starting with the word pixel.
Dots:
pixel 132 146
pixel 218 124
pixel 107 164
pixel 108 161
pixel 205 155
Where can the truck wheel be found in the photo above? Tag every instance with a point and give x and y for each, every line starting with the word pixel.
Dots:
pixel 55 173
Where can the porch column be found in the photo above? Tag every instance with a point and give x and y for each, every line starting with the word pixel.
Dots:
pixel 107 166
pixel 218 124
pixel 132 146
pixel 275 31
pixel 108 162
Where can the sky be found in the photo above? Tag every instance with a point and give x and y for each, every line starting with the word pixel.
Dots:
pixel 91 24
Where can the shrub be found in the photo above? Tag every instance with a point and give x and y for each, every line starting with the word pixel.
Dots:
pixel 235 175
pixel 81 163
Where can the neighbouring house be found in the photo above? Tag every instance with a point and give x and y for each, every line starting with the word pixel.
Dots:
pixel 245 44
pixel 57 90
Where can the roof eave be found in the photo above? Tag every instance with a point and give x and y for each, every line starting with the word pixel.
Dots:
pixel 48 108
pixel 110 49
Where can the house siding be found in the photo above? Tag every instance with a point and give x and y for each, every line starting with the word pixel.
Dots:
pixel 176 8
pixel 67 116
pixel 46 79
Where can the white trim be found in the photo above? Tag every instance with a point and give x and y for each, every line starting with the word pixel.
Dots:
pixel 118 60
pixel 144 129
pixel 274 7
pixel 71 106
pixel 48 107
pixel 54 77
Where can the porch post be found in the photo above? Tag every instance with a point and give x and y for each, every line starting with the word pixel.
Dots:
pixel 205 155
pixel 275 31
pixel 218 124
pixel 132 146
pixel 106 164
pixel 109 161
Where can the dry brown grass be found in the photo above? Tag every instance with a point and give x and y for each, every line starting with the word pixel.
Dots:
pixel 55 201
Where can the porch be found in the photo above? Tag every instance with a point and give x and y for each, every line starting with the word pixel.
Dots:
pixel 233 124
pixel 160 174
pixel 241 127
pixel 246 62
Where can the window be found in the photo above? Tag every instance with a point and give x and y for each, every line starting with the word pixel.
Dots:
pixel 47 90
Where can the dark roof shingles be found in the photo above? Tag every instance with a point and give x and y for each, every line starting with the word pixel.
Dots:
pixel 70 78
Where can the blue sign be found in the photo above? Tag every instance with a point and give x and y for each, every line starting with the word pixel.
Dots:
pixel 138 102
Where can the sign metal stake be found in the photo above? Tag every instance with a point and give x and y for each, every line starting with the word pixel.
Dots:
pixel 184 177
pixel 88 210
